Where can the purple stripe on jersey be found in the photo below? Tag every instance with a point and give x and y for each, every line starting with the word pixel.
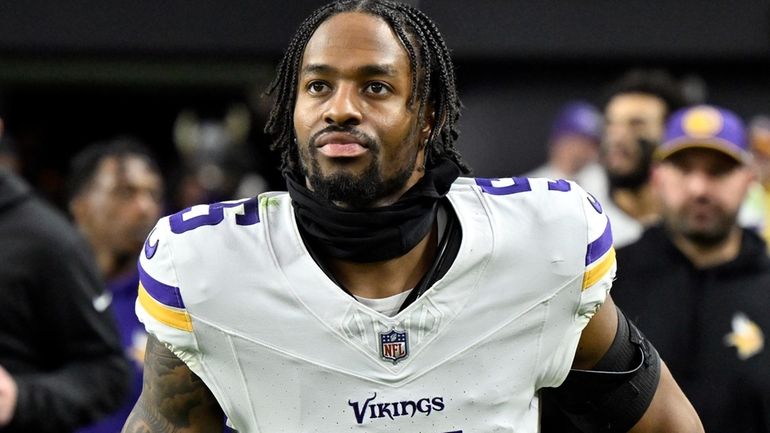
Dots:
pixel 600 246
pixel 163 293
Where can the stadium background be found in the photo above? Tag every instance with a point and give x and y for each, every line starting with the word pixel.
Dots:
pixel 84 70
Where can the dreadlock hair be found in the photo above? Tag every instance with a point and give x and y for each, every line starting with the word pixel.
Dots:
pixel 656 82
pixel 433 77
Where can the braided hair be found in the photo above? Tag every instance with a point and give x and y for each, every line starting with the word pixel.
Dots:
pixel 433 77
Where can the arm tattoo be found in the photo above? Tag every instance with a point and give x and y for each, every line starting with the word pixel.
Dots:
pixel 174 399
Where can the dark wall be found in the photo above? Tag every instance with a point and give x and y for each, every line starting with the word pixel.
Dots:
pixel 602 29
pixel 499 29
pixel 77 71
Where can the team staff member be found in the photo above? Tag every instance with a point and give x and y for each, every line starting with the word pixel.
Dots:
pixel 382 292
pixel 698 284
pixel 61 365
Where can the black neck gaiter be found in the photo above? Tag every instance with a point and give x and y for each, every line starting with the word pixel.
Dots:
pixel 376 234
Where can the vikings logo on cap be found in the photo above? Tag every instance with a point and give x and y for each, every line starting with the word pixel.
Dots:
pixel 702 122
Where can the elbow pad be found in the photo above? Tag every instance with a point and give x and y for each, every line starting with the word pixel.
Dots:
pixel 615 394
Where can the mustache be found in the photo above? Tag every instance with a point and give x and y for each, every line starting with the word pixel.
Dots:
pixel 370 142
pixel 699 204
pixel 701 201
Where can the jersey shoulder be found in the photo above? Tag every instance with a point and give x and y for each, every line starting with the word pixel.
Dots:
pixel 185 251
pixel 561 220
pixel 543 201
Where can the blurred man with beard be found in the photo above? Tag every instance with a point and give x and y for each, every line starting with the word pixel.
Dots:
pixel 635 115
pixel 116 192
pixel 698 283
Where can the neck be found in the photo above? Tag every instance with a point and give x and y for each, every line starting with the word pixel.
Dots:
pixel 707 256
pixel 113 265
pixel 105 261
pixel 640 203
pixel 100 251
pixel 388 277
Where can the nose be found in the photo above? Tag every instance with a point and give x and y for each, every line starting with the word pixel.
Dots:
pixel 698 182
pixel 342 108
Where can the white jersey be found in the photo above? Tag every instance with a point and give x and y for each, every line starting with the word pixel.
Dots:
pixel 233 291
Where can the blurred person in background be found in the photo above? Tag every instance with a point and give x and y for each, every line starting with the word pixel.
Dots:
pixel 216 155
pixel 61 365
pixel 573 147
pixel 697 283
pixel 755 211
pixel 115 197
pixel 635 114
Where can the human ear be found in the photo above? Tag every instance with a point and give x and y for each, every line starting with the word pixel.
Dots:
pixel 428 126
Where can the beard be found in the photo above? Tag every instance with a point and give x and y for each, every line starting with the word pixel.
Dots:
pixel 704 236
pixel 640 173
pixel 357 191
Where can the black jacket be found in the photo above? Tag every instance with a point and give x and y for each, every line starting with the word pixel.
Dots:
pixel 693 317
pixel 57 336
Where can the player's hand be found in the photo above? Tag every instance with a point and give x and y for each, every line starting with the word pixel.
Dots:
pixel 8 395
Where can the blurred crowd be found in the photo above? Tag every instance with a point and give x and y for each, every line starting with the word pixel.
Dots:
pixel 684 181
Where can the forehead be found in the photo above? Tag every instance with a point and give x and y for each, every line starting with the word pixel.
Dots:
pixel 350 39
pixel 127 168
pixel 627 105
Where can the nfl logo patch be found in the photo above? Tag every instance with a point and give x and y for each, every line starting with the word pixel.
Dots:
pixel 394 345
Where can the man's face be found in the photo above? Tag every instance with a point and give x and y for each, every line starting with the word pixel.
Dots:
pixel 701 191
pixel 629 117
pixel 574 151
pixel 359 139
pixel 121 204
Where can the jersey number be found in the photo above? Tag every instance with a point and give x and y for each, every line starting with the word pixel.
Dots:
pixel 215 215
pixel 514 185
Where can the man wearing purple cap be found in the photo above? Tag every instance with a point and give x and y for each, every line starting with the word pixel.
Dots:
pixel 698 284
pixel 573 147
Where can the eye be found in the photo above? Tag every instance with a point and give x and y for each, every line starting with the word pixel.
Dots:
pixel 317 87
pixel 377 88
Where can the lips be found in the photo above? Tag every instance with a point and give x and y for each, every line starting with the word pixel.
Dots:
pixel 340 145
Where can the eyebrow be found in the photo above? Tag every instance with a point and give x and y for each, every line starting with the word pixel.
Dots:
pixel 365 70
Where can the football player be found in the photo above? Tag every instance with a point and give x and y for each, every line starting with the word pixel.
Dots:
pixel 384 292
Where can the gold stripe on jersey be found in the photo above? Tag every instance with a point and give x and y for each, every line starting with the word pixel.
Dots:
pixel 600 269
pixel 170 316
